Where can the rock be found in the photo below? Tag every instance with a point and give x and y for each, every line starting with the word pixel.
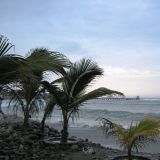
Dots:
pixel 33 137
pixel 9 130
pixel 46 130
pixel 2 157
pixel 29 142
pixel 2 152
pixel 62 155
pixel 6 148
pixel 21 147
pixel 15 135
pixel 88 150
pixel 6 157
pixel 19 143
pixel 114 151
pixel 75 147
pixel 86 140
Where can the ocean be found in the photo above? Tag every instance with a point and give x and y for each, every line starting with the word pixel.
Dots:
pixel 123 112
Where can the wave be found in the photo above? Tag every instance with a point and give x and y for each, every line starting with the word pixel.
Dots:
pixel 88 118
pixel 93 113
pixel 151 99
pixel 122 112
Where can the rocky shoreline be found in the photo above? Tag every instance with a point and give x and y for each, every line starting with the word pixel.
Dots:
pixel 19 143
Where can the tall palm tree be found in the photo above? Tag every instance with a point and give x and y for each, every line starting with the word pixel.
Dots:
pixel 72 91
pixel 29 88
pixel 135 136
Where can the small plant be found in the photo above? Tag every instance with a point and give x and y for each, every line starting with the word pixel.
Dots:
pixel 135 136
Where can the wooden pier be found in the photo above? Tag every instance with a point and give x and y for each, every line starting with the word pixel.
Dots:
pixel 119 98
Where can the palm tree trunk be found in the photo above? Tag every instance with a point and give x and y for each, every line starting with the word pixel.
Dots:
pixel 26 118
pixel 129 154
pixel 64 132
pixel 4 116
pixel 48 110
pixel 43 123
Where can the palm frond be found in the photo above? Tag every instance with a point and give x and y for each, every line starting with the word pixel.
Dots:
pixel 40 59
pixel 148 127
pixel 80 75
pixel 9 68
pixel 36 105
pixel 95 94
pixel 59 95
pixel 16 103
pixel 107 126
pixel 5 46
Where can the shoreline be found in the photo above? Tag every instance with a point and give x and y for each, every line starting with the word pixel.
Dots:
pixel 18 143
pixel 96 135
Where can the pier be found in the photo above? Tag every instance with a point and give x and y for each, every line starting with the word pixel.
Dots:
pixel 119 98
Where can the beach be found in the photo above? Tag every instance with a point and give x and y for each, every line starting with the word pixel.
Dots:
pixel 18 143
pixel 87 127
pixel 97 135
pixel 27 144
pixel 120 112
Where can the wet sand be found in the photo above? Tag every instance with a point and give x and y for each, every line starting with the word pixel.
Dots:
pixel 72 153
pixel 96 135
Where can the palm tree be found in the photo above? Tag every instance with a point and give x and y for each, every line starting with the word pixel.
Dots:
pixel 71 93
pixel 9 63
pixel 29 88
pixel 48 110
pixel 135 136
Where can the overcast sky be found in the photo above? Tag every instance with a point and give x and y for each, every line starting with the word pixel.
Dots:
pixel 122 36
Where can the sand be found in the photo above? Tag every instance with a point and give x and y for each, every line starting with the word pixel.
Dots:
pixel 96 135
pixel 92 134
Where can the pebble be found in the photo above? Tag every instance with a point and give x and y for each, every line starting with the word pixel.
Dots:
pixel 74 147
pixel 21 147
pixel 17 143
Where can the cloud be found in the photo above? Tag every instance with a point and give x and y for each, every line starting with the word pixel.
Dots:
pixel 120 35
pixel 131 82
pixel 125 72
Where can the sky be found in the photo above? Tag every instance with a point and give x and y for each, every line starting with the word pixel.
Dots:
pixel 122 36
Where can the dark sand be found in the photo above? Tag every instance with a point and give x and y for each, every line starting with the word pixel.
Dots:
pixel 93 134
pixel 96 135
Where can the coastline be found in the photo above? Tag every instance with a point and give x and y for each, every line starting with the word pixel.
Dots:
pixel 18 143
pixel 27 144
pixel 96 135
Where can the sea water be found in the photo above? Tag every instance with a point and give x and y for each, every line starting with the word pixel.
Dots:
pixel 123 112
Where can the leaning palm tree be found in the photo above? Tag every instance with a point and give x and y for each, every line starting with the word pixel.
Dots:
pixel 9 63
pixel 48 110
pixel 135 136
pixel 71 92
pixel 29 81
